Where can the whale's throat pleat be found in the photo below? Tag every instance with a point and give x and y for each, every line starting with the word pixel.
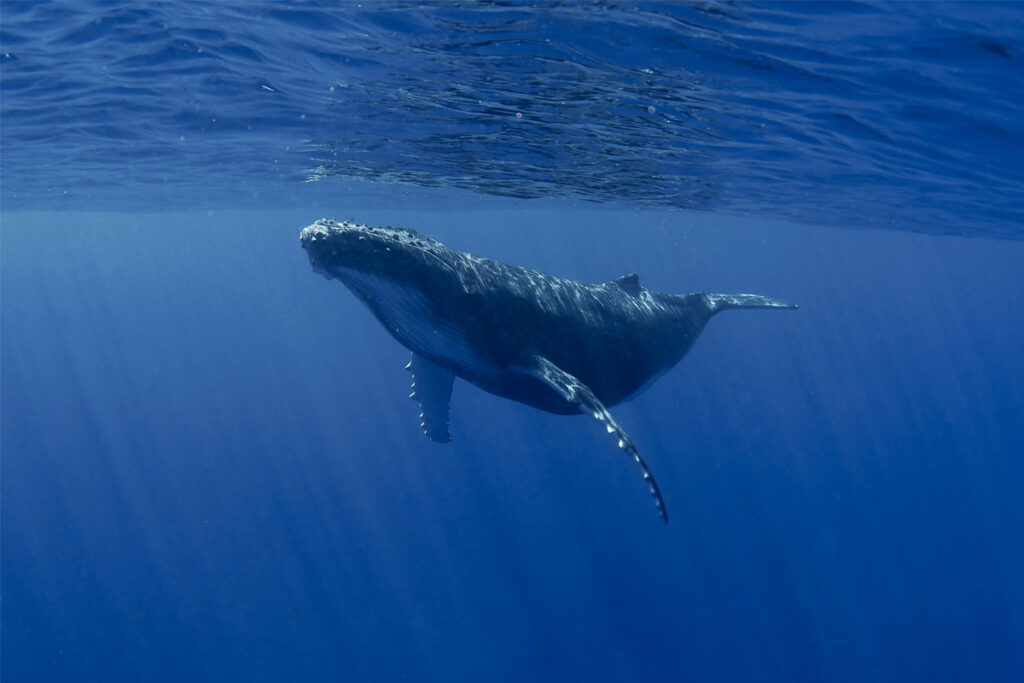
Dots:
pixel 410 317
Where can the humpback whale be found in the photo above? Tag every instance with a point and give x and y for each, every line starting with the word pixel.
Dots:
pixel 555 344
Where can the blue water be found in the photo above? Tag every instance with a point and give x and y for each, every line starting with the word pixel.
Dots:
pixel 211 471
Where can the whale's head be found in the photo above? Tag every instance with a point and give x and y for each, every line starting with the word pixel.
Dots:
pixel 401 275
pixel 345 249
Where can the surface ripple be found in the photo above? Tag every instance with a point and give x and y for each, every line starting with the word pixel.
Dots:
pixel 856 114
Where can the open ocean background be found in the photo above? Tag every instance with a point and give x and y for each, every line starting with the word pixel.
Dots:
pixel 211 471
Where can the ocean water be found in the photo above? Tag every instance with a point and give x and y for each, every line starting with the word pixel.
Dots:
pixel 211 471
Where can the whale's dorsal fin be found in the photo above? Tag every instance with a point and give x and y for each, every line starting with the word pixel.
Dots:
pixel 629 283
pixel 579 394
pixel 432 388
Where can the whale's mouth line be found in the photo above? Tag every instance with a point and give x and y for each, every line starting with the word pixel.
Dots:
pixel 330 244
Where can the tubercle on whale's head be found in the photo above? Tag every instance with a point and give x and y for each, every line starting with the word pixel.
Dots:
pixel 334 246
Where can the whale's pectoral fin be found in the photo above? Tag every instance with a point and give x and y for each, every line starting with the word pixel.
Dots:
pixel 432 388
pixel 580 395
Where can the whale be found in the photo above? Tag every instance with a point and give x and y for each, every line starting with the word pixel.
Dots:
pixel 555 344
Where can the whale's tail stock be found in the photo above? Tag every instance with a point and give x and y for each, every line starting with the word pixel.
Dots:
pixel 721 302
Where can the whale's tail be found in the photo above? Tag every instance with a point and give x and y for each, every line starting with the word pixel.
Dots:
pixel 721 302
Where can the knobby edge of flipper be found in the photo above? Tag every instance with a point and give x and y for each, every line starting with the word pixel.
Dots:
pixel 579 394
pixel 432 389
